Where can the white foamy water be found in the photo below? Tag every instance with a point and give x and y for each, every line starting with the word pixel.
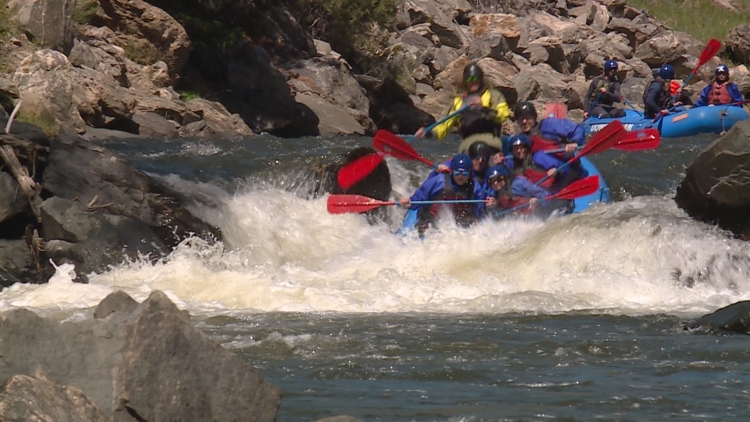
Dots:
pixel 284 253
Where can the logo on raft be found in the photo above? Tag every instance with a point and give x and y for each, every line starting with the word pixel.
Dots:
pixel 598 127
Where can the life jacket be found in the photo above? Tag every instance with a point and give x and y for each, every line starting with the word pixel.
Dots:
pixel 506 200
pixel 719 94
pixel 465 214
pixel 601 83
pixel 665 99
pixel 473 120
pixel 530 170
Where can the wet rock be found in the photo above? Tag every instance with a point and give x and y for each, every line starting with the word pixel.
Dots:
pixel 716 188
pixel 734 318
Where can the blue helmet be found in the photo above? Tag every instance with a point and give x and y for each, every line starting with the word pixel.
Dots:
pixel 666 71
pixel 520 139
pixel 721 69
pixel 610 65
pixel 498 170
pixel 461 162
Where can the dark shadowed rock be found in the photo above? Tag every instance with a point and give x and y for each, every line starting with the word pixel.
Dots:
pixel 150 364
pixel 341 418
pixel 716 188
pixel 734 318
pixel 738 44
pixel 24 399
pixel 15 262
pixel 101 210
pixel 12 200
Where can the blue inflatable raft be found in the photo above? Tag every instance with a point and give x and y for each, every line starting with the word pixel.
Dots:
pixel 711 119
pixel 579 204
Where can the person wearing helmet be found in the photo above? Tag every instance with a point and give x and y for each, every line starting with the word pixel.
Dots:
pixel 657 98
pixel 720 91
pixel 482 157
pixel 456 184
pixel 603 92
pixel 549 133
pixel 536 166
pixel 506 192
pixel 483 119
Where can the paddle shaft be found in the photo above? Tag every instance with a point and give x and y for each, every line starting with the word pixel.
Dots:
pixel 440 122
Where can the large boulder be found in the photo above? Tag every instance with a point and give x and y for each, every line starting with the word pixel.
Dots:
pixel 105 210
pixel 48 23
pixel 716 188
pixel 143 27
pixel 146 362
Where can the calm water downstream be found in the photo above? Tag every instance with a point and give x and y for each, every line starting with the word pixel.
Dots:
pixel 576 319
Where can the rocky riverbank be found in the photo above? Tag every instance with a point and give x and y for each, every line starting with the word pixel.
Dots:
pixel 117 69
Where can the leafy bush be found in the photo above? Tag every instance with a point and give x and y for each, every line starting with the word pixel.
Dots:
pixel 355 29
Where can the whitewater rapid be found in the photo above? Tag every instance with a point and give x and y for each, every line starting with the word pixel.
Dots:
pixel 284 253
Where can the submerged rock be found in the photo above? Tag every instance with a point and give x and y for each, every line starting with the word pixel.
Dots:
pixel 734 318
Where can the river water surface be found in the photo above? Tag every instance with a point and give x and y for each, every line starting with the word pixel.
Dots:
pixel 579 318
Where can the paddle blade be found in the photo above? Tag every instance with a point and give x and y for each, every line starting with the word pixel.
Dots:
pixel 556 110
pixel 709 51
pixel 577 189
pixel 639 140
pixel 390 144
pixel 352 173
pixel 342 204
pixel 604 139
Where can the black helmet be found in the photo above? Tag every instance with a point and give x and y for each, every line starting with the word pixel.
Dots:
pixel 481 149
pixel 472 73
pixel 524 109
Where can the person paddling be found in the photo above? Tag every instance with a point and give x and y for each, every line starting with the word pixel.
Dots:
pixel 720 91
pixel 657 98
pixel 457 184
pixel 507 192
pixel 483 119
pixel 603 92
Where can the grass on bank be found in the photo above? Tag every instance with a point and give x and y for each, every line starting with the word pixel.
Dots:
pixel 700 18
pixel 43 121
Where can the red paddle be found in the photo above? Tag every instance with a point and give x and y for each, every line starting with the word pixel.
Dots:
pixel 349 203
pixel 602 140
pixel 390 144
pixel 577 189
pixel 350 174
pixel 639 140
pixel 346 203
pixel 708 52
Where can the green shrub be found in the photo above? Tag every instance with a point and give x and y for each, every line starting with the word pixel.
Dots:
pixel 84 11
pixel 7 27
pixel 700 18
pixel 189 95
pixel 141 51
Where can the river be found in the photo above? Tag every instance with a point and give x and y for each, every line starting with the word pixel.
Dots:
pixel 575 319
